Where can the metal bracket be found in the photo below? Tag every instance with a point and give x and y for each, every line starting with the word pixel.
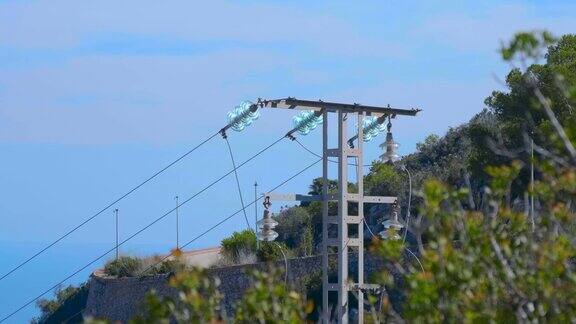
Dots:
pixel 380 200
pixel 223 133
pixel 366 287
pixel 291 197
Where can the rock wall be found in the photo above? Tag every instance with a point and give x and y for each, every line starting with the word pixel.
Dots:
pixel 119 299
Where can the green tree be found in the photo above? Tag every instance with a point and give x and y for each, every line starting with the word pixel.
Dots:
pixel 539 99
pixel 429 141
pixel 306 242
pixel 499 263
pixel 295 230
pixel 50 306
pixel 383 180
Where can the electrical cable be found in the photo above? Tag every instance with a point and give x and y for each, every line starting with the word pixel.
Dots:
pixel 368 227
pixel 409 202
pixel 407 249
pixel 108 206
pixel 232 215
pixel 415 257
pixel 145 227
pixel 285 260
pixel 209 229
pixel 238 183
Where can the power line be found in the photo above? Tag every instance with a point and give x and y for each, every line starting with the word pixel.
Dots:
pixel 166 257
pixel 108 206
pixel 232 215
pixel 237 180
pixel 407 249
pixel 153 222
pixel 216 225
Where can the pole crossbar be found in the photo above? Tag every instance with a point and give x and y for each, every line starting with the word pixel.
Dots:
pixel 293 103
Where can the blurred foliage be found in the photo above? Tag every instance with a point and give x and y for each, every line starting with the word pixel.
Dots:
pixel 491 266
pixel 497 262
pixel 270 301
pixel 197 301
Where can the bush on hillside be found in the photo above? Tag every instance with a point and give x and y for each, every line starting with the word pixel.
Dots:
pixel 273 251
pixel 161 265
pixel 239 247
pixel 125 266
pixel 50 306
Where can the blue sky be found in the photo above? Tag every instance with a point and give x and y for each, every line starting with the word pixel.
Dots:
pixel 96 95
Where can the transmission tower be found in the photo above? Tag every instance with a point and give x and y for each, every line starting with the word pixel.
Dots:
pixel 342 233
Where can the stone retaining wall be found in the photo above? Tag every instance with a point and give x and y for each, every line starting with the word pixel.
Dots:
pixel 119 299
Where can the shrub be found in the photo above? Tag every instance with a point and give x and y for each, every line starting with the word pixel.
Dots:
pixel 160 265
pixel 171 266
pixel 125 266
pixel 50 306
pixel 306 244
pixel 238 247
pixel 273 251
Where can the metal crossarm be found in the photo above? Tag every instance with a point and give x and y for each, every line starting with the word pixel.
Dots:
pixel 298 104
pixel 310 198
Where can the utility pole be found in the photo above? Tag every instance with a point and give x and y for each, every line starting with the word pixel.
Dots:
pixel 116 215
pixel 532 181
pixel 341 243
pixel 256 214
pixel 177 225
